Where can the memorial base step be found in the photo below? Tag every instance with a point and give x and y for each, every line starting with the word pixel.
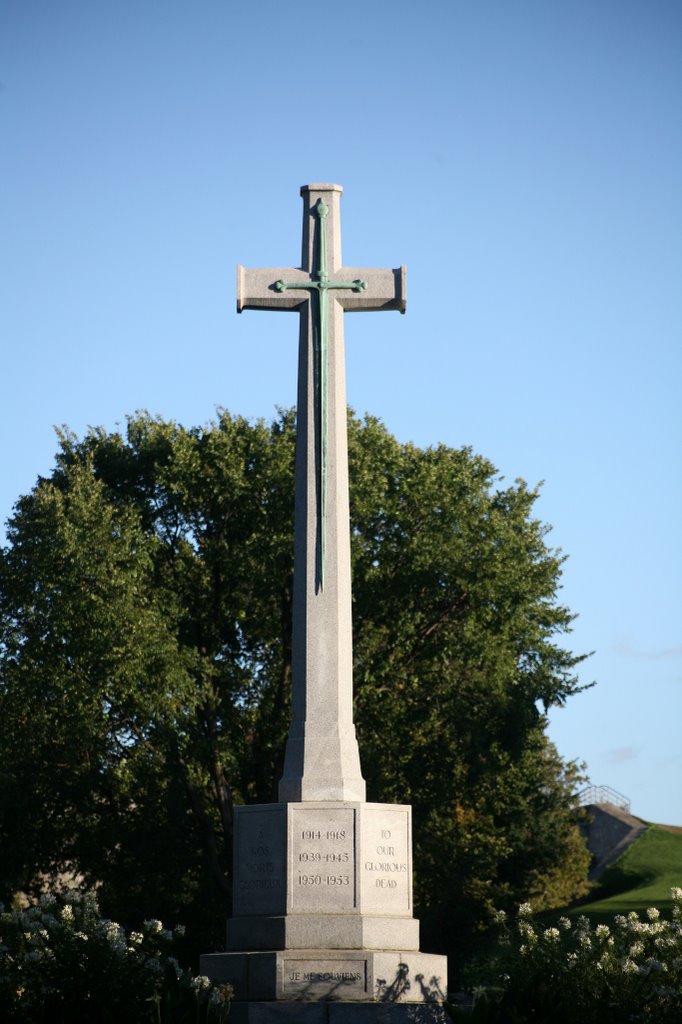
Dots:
pixel 335 975
pixel 337 1013
pixel 322 931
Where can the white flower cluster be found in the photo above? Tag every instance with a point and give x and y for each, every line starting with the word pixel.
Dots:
pixel 201 983
pixel 41 944
pixel 637 958
pixel 114 935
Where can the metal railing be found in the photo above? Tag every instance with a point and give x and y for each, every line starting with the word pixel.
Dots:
pixel 603 795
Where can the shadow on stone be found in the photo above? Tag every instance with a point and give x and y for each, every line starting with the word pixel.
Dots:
pixel 400 989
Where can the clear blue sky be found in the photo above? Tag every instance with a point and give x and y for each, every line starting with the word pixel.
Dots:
pixel 524 159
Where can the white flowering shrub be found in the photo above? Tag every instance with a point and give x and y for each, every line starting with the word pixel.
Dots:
pixel 575 973
pixel 61 961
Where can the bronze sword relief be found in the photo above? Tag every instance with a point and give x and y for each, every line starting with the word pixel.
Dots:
pixel 319 285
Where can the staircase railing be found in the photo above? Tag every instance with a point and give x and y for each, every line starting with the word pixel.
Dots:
pixel 603 795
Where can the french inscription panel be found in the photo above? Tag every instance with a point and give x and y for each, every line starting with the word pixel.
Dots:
pixel 386 860
pixel 322 860
pixel 324 979
pixel 260 861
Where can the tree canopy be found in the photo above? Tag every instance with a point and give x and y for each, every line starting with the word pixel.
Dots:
pixel 145 664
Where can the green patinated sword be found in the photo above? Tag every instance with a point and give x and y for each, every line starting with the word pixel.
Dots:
pixel 319 285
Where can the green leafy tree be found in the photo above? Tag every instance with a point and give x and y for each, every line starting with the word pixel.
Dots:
pixel 145 659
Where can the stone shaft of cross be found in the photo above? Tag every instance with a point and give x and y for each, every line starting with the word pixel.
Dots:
pixel 322 760
pixel 321 284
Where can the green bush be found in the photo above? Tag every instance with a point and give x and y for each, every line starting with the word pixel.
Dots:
pixel 61 961
pixel 629 971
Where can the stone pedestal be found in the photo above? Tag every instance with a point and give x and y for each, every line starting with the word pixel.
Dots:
pixel 319 860
pixel 323 907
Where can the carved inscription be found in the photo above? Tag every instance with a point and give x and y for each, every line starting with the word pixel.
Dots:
pixel 322 859
pixel 386 868
pixel 315 979
pixel 259 862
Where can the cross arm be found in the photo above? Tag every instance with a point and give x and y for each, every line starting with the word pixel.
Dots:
pixel 385 289
pixel 256 288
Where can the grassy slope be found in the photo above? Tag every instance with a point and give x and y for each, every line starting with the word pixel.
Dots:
pixel 641 877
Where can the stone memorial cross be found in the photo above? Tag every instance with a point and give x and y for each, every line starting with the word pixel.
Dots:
pixel 322 881
pixel 322 761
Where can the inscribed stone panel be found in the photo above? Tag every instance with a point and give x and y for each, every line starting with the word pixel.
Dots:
pixel 324 979
pixel 322 862
pixel 260 860
pixel 386 868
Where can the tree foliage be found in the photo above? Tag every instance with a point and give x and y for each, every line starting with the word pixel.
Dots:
pixel 145 659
